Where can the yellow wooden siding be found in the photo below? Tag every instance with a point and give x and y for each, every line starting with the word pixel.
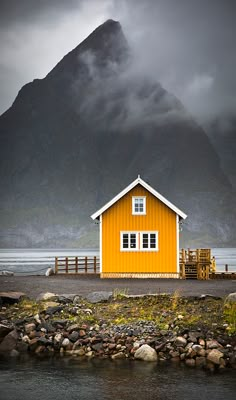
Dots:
pixel 119 218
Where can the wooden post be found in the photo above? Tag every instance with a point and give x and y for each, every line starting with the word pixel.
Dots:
pixel 56 265
pixel 86 265
pixel 66 265
pixel 226 267
pixel 95 264
pixel 76 265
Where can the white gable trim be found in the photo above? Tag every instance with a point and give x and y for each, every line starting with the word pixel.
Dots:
pixel 136 182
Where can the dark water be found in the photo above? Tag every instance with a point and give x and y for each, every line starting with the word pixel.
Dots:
pixel 62 379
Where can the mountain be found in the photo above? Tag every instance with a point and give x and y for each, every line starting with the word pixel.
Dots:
pixel 74 139
pixel 222 133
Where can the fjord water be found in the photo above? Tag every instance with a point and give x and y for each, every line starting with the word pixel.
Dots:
pixel 36 261
pixel 63 379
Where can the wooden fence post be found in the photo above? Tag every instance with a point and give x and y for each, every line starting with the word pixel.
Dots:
pixel 66 265
pixel 76 265
pixel 56 265
pixel 95 264
pixel 86 265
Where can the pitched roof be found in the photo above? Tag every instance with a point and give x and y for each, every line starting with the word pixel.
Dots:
pixel 141 182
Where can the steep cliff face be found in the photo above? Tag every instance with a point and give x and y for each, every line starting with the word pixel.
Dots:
pixel 74 139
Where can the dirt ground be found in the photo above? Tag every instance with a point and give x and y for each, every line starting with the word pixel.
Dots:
pixel 32 286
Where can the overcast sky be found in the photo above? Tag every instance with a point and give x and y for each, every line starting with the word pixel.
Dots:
pixel 187 45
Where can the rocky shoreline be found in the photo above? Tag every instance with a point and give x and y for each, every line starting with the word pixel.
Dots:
pixel 197 331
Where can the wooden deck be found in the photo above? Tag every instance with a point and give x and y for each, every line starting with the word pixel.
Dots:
pixel 196 264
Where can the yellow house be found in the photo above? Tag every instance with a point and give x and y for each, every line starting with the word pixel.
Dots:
pixel 139 234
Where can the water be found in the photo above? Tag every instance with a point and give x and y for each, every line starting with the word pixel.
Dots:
pixel 36 261
pixel 63 379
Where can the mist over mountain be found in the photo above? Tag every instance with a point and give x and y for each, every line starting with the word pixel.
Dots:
pixel 73 140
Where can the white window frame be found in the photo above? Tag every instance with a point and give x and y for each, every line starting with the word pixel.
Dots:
pixel 144 205
pixel 139 241
pixel 149 248
pixel 129 248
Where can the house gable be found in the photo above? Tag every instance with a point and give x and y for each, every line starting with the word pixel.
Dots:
pixel 136 182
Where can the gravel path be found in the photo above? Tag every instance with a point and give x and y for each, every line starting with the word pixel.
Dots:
pixel 82 285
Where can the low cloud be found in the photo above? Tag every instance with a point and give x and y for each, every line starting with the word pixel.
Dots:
pixel 188 46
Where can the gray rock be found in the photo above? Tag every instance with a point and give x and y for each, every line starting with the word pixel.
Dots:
pixel 205 296
pixel 79 352
pixel 74 327
pixel 214 356
pixel 9 342
pixel 66 298
pixel 45 296
pixel 231 298
pixel 77 299
pixel 5 328
pixel 7 273
pixel 197 347
pixel 212 344
pixel 118 356
pixel 60 322
pixel 145 353
pixel 49 272
pixel 65 342
pixel 97 346
pixel 53 310
pixel 193 336
pixel 180 341
pixel 74 336
pixel 44 341
pixel 11 297
pixel 29 327
pixel 99 297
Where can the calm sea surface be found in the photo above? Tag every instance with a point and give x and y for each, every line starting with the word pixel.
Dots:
pixel 36 262
pixel 62 379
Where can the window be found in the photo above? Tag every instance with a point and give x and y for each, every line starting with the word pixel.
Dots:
pixel 138 205
pixel 139 241
pixel 129 241
pixel 149 241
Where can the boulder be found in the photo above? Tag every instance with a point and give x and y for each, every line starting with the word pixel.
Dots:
pixel 99 297
pixel 7 273
pixel 231 298
pixel 49 272
pixel 45 296
pixel 145 353
pixel 9 342
pixel 214 356
pixel 11 297
pixel 5 328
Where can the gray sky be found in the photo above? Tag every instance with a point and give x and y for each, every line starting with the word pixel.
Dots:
pixel 187 45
